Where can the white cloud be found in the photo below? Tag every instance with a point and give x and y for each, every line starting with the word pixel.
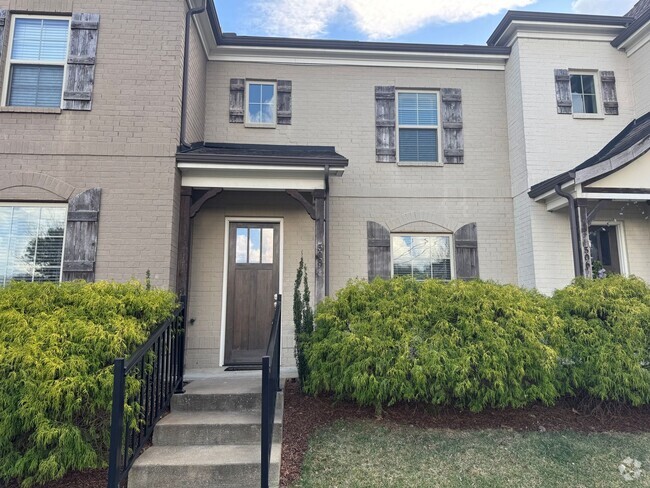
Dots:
pixel 377 19
pixel 602 7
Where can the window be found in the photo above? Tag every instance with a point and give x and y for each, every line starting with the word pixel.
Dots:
pixel 605 253
pixel 254 246
pixel 260 104
pixel 583 94
pixel 417 133
pixel 31 243
pixel 422 256
pixel 36 63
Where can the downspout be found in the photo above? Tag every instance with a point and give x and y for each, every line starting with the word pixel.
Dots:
pixel 327 230
pixel 574 229
pixel 186 61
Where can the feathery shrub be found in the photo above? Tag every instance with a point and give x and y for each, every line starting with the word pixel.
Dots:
pixel 57 346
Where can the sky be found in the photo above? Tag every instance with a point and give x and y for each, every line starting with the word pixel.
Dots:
pixel 425 21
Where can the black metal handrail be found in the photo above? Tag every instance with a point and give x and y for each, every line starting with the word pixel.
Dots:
pixel 270 388
pixel 153 373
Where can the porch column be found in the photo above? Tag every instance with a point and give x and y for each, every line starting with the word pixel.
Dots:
pixel 583 237
pixel 184 231
pixel 320 261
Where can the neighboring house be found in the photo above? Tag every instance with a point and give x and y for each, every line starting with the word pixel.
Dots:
pixel 217 170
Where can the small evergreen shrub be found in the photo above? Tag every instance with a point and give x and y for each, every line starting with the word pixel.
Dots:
pixel 605 339
pixel 303 318
pixel 57 346
pixel 468 344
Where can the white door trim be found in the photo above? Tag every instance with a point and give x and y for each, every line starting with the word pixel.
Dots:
pixel 224 286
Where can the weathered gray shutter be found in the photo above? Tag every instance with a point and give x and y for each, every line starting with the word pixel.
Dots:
pixel 284 102
pixel 453 150
pixel 237 86
pixel 466 243
pixel 385 124
pixel 378 251
pixel 563 91
pixel 81 236
pixel 82 56
pixel 3 21
pixel 608 84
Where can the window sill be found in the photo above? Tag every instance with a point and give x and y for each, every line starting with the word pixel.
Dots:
pixel 259 126
pixel 435 164
pixel 589 116
pixel 31 110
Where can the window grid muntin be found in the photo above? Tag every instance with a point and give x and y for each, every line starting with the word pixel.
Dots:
pixel 272 104
pixel 432 127
pixel 12 62
pixel 35 267
pixel 449 258
pixel 247 253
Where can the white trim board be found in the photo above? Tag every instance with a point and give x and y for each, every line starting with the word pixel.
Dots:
pixel 224 286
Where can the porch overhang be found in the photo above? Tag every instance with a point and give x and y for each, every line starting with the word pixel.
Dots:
pixel 259 166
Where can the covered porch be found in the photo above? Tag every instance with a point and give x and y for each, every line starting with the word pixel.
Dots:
pixel 247 214
pixel 607 199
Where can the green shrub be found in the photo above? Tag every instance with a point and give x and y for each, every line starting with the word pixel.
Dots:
pixel 605 340
pixel 467 344
pixel 303 318
pixel 57 346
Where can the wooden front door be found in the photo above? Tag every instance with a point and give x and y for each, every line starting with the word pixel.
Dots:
pixel 253 280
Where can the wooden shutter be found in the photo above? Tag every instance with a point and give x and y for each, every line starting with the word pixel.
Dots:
pixel 3 21
pixel 608 84
pixel 284 102
pixel 82 56
pixel 563 91
pixel 453 151
pixel 466 243
pixel 237 87
pixel 385 124
pixel 81 236
pixel 378 251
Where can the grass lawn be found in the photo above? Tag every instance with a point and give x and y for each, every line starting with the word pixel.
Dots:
pixel 360 453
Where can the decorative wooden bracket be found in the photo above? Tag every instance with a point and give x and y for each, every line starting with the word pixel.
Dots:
pixel 592 215
pixel 210 194
pixel 309 207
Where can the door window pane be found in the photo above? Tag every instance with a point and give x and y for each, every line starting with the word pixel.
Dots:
pixel 267 246
pixel 254 245
pixel 241 246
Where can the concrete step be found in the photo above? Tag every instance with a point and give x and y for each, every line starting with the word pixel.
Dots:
pixel 202 467
pixel 224 394
pixel 213 428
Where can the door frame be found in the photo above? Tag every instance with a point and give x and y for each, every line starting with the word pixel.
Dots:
pixel 224 286
pixel 620 241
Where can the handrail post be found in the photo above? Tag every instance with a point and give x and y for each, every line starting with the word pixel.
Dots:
pixel 117 424
pixel 266 454
pixel 277 344
pixel 181 346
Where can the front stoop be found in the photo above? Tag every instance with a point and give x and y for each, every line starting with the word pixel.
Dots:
pixel 210 439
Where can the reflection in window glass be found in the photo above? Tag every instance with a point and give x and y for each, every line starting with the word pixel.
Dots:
pixel 261 103
pixel 241 247
pixel 267 246
pixel 583 94
pixel 254 245
pixel 422 256
pixel 31 243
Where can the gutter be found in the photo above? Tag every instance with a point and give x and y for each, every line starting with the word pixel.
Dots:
pixel 574 228
pixel 186 61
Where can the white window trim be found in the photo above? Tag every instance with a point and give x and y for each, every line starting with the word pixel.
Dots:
pixel 247 122
pixel 452 253
pixel 9 62
pixel 621 241
pixel 436 127
pixel 45 205
pixel 597 88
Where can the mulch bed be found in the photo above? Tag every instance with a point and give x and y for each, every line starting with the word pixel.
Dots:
pixel 93 478
pixel 305 414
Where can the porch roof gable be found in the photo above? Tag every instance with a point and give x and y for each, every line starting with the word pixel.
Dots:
pixel 628 145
